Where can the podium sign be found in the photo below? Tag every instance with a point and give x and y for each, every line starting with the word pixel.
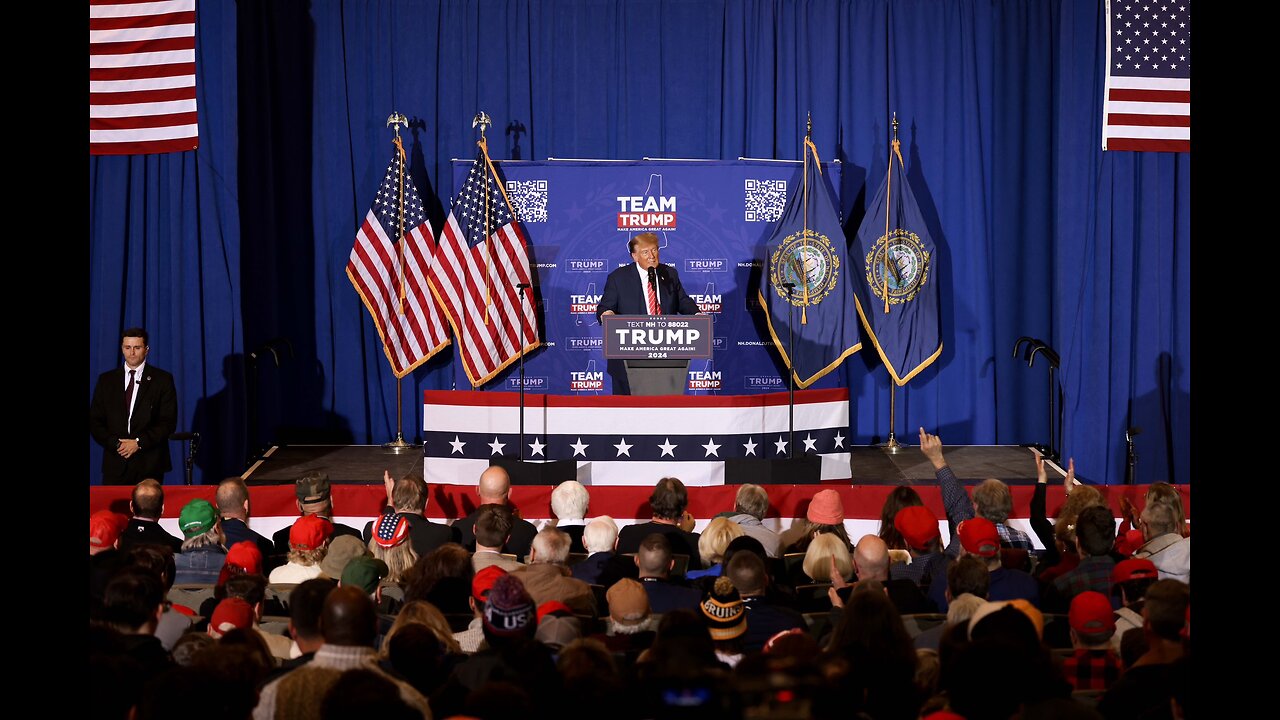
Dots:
pixel 657 337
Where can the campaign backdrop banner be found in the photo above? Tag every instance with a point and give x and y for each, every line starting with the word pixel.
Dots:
pixel 712 219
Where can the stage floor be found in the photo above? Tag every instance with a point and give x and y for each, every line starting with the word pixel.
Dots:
pixel 364 464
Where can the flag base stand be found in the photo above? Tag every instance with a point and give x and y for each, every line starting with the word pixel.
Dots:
pixel 531 472
pixel 803 470
pixel 892 446
pixel 399 445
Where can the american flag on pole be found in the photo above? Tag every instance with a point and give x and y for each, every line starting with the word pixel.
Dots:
pixel 1147 105
pixel 481 260
pixel 142 77
pixel 402 307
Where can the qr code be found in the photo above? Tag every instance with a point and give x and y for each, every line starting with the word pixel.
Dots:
pixel 764 200
pixel 529 199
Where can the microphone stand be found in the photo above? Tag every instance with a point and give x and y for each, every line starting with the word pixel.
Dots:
pixel 1131 456
pixel 791 373
pixel 193 444
pixel 521 288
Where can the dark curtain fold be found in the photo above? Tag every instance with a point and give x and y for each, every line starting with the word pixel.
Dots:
pixel 1039 233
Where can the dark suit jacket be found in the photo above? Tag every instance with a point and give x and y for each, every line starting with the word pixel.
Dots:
pixel 764 620
pixel 518 544
pixel 155 417
pixel 424 534
pixel 682 543
pixel 589 570
pixel 666 596
pixel 575 537
pixel 236 531
pixel 625 295
pixel 148 532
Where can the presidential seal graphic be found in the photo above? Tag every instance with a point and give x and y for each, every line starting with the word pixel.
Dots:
pixel 808 259
pixel 907 270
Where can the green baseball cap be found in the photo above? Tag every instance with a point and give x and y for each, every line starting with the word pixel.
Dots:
pixel 364 572
pixel 198 517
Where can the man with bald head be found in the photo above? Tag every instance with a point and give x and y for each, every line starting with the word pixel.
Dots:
pixel 146 506
pixel 349 624
pixel 494 487
pixel 871 563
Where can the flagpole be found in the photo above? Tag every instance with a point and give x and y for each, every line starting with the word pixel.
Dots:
pixel 891 446
pixel 399 445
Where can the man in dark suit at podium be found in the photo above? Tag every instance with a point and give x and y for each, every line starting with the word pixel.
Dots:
pixel 133 413
pixel 645 287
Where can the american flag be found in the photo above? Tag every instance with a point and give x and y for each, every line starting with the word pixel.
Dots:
pixel 408 319
pixel 142 76
pixel 1148 94
pixel 392 529
pixel 482 258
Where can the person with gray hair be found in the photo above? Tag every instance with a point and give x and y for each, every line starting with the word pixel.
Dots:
pixel 599 538
pixel 547 578
pixel 749 508
pixel 993 501
pixel 1165 546
pixel 569 502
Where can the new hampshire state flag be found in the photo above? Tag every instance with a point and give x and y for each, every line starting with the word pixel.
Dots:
pixel 897 285
pixel 808 249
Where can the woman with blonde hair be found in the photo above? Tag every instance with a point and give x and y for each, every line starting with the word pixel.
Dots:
pixel 817 559
pixel 421 613
pixel 711 544
pixel 390 544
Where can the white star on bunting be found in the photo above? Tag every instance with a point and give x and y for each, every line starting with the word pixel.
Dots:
pixel 579 448
pixel 496 446
pixel 781 444
pixel 711 447
pixel 457 444
pixel 749 446
pixel 839 440
pixel 810 443
pixel 668 448
pixel 624 448
pixel 536 447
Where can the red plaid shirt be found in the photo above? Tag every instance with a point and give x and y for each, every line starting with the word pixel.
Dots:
pixel 1092 669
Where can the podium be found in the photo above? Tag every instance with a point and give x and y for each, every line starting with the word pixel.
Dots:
pixel 656 349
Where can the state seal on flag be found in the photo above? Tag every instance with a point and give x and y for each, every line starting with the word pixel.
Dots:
pixel 907 272
pixel 807 259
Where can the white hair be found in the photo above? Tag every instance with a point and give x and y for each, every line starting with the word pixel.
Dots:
pixel 569 500
pixel 551 546
pixel 600 534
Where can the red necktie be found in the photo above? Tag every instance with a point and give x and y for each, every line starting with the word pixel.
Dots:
pixel 128 394
pixel 653 299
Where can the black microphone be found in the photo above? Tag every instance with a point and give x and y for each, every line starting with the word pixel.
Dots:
pixel 652 272
pixel 180 436
pixel 522 286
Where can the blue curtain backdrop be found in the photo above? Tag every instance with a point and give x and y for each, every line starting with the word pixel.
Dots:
pixel 233 255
